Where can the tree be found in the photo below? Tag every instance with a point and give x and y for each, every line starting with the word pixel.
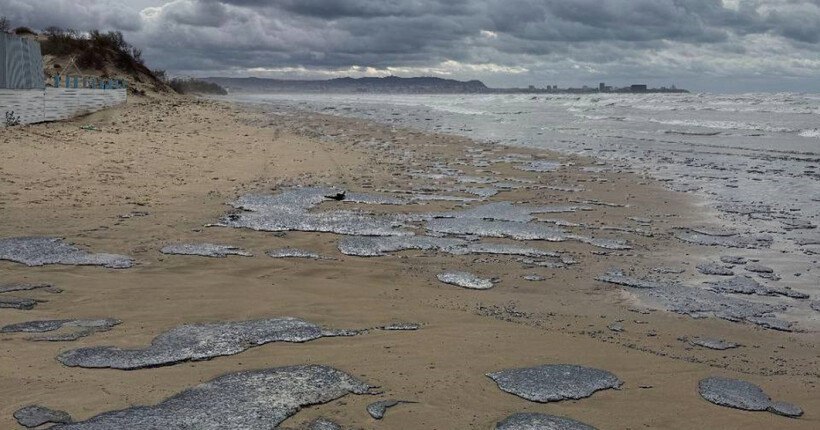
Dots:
pixel 4 24
pixel 161 74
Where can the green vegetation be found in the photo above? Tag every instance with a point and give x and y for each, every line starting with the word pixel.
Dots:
pixel 22 31
pixel 11 119
pixel 94 49
pixel 195 86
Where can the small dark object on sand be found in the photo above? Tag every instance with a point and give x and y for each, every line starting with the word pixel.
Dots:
pixel 338 196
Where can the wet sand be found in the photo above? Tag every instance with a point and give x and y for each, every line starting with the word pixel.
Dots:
pixel 182 161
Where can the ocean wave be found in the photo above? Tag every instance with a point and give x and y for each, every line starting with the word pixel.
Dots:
pixel 812 132
pixel 693 133
pixel 723 125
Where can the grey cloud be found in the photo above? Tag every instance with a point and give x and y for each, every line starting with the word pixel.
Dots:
pixel 551 38
pixel 198 14
pixel 76 14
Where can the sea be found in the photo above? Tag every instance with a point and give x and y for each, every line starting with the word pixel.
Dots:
pixel 750 161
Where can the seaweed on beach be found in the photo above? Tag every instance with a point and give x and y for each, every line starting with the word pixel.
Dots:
pixel 39 251
pixel 250 400
pixel 194 342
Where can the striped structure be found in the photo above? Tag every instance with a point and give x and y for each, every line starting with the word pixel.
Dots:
pixel 21 63
pixel 54 104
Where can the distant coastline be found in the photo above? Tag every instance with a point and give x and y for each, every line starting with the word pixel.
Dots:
pixel 418 85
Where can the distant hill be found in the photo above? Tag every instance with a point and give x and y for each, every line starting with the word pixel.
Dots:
pixel 390 84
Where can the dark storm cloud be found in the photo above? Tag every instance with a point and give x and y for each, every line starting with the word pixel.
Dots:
pixel 464 38
pixel 76 14
pixel 587 20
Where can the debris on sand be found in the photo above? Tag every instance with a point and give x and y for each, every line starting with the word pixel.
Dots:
pixel 290 210
pixel 554 382
pixel 732 259
pixel 17 286
pixel 39 251
pixel 250 400
pixel 539 166
pixel 506 211
pixel 720 238
pixel 378 409
pixel 771 323
pixel 515 230
pixel 758 268
pixel 77 328
pixel 294 253
pixel 501 229
pixel 35 416
pixel 619 278
pixel 745 285
pixel 18 303
pixel 401 326
pixel 323 424
pixel 699 303
pixel 195 342
pixel 204 250
pixel 718 344
pixel 465 280
pixel 616 327
pixel 734 393
pixel 373 199
pixel 370 246
pixel 714 269
pixel 535 421
pixel 374 246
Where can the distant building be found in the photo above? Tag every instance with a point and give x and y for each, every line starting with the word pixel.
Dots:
pixel 602 87
pixel 638 88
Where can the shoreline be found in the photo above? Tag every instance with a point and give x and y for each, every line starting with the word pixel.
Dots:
pixel 196 156
pixel 791 225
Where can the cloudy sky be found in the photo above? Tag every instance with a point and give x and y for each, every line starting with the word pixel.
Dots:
pixel 708 45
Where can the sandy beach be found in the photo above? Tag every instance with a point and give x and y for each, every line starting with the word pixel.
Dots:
pixel 162 171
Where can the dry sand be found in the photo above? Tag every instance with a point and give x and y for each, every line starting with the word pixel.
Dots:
pixel 182 160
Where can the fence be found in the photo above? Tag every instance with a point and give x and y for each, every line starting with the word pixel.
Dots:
pixel 21 63
pixel 52 104
pixel 88 82
pixel 24 97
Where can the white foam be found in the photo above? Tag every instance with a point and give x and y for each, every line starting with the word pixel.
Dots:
pixel 814 132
